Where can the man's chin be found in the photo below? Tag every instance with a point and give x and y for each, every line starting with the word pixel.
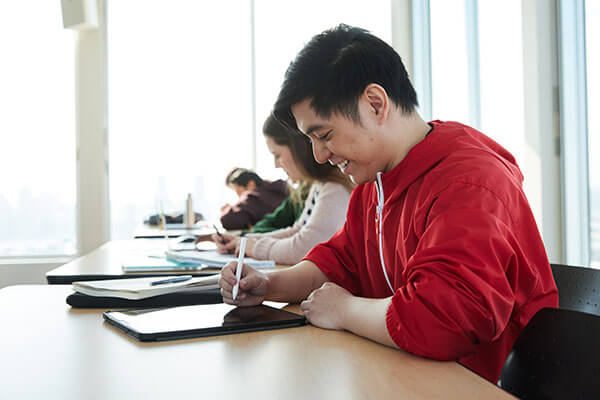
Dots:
pixel 357 180
pixel 360 179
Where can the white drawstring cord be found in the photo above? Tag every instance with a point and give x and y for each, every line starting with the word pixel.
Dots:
pixel 379 219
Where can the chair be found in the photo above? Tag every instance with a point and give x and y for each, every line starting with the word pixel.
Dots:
pixel 557 356
pixel 578 288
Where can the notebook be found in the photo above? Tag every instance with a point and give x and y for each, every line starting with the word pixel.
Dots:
pixel 186 322
pixel 155 263
pixel 141 288
pixel 213 259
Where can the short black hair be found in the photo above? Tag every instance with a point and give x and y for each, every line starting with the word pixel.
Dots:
pixel 333 70
pixel 241 176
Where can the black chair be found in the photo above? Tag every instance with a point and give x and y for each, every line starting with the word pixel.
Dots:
pixel 578 288
pixel 557 356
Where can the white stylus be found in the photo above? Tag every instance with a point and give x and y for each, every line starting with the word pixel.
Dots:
pixel 238 271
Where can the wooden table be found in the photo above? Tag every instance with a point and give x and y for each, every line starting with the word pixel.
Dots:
pixel 51 351
pixel 106 263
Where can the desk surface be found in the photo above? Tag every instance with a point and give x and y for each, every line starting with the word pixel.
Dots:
pixel 106 263
pixel 51 351
pixel 146 231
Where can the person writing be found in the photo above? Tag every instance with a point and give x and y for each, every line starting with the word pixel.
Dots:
pixel 440 254
pixel 257 197
pixel 324 210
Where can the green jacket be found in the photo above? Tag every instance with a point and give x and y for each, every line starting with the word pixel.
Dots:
pixel 283 216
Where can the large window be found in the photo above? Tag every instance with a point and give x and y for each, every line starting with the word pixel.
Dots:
pixel 477 68
pixel 181 99
pixel 179 95
pixel 592 34
pixel 37 154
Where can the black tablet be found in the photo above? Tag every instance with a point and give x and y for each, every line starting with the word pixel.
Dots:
pixel 158 324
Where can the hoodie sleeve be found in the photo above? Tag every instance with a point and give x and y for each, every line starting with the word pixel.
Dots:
pixel 456 293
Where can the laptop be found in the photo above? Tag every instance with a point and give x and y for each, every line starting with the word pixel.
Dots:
pixel 185 322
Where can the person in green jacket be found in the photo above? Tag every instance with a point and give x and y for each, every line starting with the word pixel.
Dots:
pixel 286 214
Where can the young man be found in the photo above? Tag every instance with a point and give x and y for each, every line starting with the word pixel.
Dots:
pixel 440 254
pixel 257 197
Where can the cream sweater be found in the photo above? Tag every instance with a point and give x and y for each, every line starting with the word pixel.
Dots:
pixel 324 214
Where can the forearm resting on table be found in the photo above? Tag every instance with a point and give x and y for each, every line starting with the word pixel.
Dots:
pixel 294 284
pixel 367 318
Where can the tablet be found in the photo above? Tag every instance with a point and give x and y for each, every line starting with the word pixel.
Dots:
pixel 172 323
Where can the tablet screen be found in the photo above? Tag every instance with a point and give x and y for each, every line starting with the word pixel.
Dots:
pixel 200 320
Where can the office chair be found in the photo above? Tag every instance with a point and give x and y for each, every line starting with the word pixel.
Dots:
pixel 578 288
pixel 557 356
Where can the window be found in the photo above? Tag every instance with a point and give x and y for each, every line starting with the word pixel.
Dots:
pixel 477 73
pixel 579 60
pixel 592 48
pixel 181 97
pixel 449 61
pixel 37 155
pixel 180 115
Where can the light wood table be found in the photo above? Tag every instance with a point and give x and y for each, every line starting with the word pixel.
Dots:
pixel 106 263
pixel 51 351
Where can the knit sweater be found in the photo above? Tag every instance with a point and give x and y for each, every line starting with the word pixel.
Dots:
pixel 324 213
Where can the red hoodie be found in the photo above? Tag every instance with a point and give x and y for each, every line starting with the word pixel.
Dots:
pixel 460 246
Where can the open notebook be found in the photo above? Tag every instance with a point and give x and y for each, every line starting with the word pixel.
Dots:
pixel 213 259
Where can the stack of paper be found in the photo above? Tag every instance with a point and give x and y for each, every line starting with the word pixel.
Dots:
pixel 214 259
pixel 141 288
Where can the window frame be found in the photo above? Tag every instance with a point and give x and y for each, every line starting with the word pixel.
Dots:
pixel 573 118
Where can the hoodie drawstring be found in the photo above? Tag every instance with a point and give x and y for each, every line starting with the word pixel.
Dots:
pixel 379 220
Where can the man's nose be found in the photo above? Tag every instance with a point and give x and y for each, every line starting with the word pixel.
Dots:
pixel 320 152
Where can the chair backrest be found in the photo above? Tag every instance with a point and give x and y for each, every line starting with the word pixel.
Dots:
pixel 556 356
pixel 578 288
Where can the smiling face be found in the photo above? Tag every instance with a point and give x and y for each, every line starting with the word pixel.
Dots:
pixel 355 148
pixel 283 159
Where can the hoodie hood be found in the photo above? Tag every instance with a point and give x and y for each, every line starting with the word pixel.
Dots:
pixel 447 145
pixel 277 187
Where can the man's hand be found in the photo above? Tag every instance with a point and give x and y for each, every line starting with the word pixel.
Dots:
pixel 326 306
pixel 253 285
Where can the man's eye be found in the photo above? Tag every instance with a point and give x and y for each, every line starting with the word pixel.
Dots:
pixel 325 136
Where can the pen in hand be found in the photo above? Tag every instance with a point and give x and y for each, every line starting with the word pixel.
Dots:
pixel 219 234
pixel 238 271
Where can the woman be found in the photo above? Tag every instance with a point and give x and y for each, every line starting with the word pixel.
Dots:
pixel 324 208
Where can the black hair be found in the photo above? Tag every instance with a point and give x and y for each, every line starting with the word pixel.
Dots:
pixel 333 70
pixel 301 150
pixel 241 176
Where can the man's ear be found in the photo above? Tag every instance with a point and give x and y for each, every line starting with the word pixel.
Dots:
pixel 378 101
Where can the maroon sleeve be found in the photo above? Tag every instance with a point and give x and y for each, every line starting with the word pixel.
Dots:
pixel 242 214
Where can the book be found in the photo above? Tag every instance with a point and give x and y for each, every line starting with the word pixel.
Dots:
pixel 214 259
pixel 152 263
pixel 142 288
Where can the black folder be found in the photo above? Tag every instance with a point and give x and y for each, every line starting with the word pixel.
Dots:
pixel 186 297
